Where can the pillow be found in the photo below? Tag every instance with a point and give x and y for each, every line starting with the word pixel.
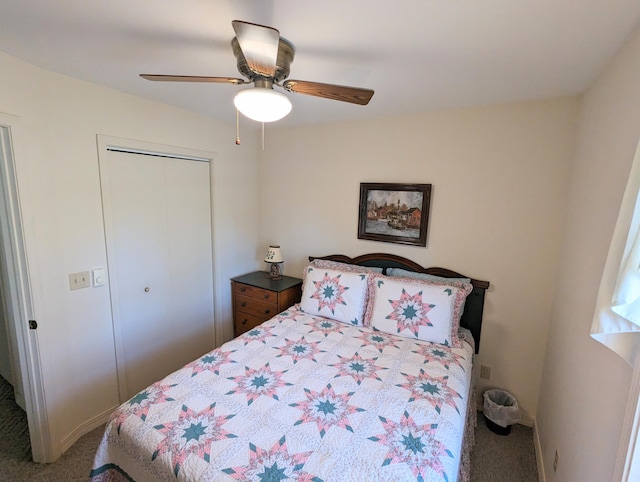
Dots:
pixel 419 309
pixel 431 277
pixel 334 294
pixel 348 268
pixel 465 335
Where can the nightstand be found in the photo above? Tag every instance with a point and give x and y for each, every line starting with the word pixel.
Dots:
pixel 256 298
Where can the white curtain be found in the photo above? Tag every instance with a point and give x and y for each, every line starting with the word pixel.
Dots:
pixel 616 321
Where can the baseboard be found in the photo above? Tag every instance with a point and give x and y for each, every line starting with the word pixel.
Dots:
pixel 84 429
pixel 538 449
pixel 20 401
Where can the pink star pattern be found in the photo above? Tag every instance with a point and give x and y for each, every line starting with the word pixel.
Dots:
pixel 210 362
pixel 326 326
pixel 300 349
pixel 433 389
pixel 329 292
pixel 377 339
pixel 139 404
pixel 413 445
pixel 192 434
pixel 432 353
pixel 326 409
pixel 410 312
pixel 344 374
pixel 259 333
pixel 273 465
pixel 255 383
pixel 357 368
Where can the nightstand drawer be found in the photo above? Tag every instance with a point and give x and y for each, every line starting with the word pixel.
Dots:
pixel 255 307
pixel 244 322
pixel 256 293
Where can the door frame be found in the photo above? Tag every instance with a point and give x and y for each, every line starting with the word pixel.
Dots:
pixel 18 294
pixel 109 143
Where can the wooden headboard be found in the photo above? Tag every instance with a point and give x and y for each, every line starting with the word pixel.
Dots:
pixel 474 304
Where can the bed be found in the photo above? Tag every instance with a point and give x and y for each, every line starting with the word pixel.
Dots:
pixel 364 379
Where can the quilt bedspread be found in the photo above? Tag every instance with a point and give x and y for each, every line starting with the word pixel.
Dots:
pixel 299 397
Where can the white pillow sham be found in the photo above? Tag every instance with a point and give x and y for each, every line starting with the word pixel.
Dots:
pixel 348 268
pixel 419 309
pixel 431 277
pixel 335 294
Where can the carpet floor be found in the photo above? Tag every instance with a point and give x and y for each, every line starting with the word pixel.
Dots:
pixel 14 443
pixel 508 458
pixel 495 458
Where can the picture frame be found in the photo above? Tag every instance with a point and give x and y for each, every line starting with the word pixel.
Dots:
pixel 394 213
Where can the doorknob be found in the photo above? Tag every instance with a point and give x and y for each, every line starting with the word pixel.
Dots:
pixel 147 289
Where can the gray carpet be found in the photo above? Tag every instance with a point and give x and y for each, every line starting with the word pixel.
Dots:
pixel 495 458
pixel 14 443
pixel 15 448
pixel 508 458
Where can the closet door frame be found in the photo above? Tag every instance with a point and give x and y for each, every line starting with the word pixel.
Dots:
pixel 106 144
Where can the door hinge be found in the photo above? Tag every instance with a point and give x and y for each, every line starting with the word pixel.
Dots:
pixel 33 324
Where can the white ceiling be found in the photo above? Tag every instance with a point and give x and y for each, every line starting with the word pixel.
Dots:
pixel 418 55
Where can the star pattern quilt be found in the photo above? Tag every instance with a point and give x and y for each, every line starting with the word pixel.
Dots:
pixel 300 397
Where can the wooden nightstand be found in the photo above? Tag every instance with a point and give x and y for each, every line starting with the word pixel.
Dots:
pixel 256 298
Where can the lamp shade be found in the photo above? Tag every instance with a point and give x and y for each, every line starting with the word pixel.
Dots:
pixel 262 104
pixel 274 255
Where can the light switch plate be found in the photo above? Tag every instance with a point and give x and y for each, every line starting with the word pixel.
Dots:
pixel 79 280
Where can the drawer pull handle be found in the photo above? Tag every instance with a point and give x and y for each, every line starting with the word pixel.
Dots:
pixel 244 322
pixel 244 303
pixel 266 296
pixel 243 289
pixel 266 312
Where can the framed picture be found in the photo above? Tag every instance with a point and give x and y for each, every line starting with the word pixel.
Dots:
pixel 394 213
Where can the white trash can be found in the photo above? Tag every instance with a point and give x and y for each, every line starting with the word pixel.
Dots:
pixel 500 411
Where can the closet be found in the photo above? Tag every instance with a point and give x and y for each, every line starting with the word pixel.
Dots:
pixel 157 212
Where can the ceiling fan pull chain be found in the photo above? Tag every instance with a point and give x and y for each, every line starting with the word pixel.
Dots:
pixel 237 128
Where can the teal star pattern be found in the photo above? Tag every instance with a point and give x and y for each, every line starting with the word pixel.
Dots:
pixel 194 432
pixel 273 465
pixel 273 474
pixel 259 382
pixel 139 398
pixel 413 443
pixel 326 407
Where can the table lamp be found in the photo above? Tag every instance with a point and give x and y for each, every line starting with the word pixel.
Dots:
pixel 274 256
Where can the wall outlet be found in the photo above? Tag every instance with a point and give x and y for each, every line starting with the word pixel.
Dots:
pixel 555 462
pixel 485 372
pixel 79 280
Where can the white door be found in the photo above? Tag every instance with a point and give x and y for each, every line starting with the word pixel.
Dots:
pixel 158 227
pixel 9 315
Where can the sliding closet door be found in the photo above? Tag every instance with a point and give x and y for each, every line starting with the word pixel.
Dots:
pixel 158 226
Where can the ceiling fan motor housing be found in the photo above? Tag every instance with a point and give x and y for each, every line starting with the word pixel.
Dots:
pixel 286 52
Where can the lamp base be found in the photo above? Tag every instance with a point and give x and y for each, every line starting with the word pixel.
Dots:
pixel 274 271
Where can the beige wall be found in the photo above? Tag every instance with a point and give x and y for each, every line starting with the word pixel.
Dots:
pixel 499 177
pixel 585 386
pixel 57 166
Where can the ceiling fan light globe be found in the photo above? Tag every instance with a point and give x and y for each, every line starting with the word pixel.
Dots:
pixel 262 104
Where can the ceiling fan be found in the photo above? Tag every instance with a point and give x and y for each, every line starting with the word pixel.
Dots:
pixel 264 59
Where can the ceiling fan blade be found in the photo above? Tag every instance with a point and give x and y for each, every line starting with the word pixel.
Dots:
pixel 259 45
pixel 193 78
pixel 342 93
